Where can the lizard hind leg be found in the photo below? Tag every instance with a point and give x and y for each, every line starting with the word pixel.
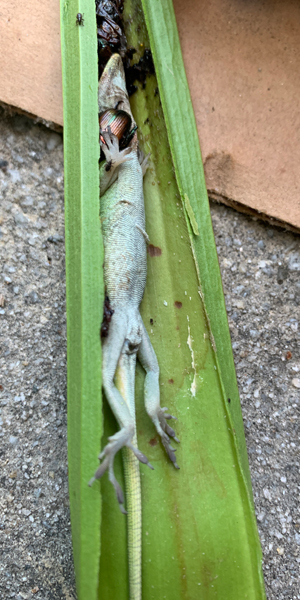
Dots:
pixel 115 350
pixel 158 415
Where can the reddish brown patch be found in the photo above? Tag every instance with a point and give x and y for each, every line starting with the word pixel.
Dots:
pixel 1 388
pixel 153 442
pixel 177 304
pixel 171 381
pixel 288 355
pixel 154 250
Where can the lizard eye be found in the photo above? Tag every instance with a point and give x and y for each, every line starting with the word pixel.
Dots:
pixel 119 122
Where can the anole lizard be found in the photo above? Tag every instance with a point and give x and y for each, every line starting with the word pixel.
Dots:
pixel 125 268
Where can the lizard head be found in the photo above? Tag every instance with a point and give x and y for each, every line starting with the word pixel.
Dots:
pixel 112 92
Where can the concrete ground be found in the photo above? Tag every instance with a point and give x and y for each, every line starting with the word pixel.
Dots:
pixel 260 268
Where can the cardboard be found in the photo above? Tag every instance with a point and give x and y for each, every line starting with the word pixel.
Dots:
pixel 30 67
pixel 241 60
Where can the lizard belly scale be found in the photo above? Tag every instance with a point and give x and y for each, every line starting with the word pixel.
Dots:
pixel 125 272
pixel 123 220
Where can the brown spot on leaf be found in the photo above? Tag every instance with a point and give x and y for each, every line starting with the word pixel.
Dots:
pixel 154 250
pixel 171 381
pixel 177 304
pixel 153 442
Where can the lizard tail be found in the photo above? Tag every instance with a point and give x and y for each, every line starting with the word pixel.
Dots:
pixel 134 521
pixel 125 379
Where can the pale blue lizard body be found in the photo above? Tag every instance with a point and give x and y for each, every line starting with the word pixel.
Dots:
pixel 125 269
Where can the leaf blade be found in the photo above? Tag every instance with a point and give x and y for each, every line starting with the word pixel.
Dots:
pixel 201 552
pixel 84 257
pixel 207 547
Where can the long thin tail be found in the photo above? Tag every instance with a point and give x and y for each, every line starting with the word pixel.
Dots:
pixel 125 380
pixel 134 521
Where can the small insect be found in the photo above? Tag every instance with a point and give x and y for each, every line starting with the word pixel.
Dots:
pixel 119 123
pixel 79 19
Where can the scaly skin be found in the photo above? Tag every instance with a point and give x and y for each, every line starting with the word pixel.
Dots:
pixel 125 270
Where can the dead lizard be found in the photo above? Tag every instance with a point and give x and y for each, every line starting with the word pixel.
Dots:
pixel 125 269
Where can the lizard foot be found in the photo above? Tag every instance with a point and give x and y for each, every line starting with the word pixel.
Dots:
pixel 144 161
pixel 116 442
pixel 114 156
pixel 166 432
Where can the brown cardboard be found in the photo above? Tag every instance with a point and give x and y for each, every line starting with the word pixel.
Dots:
pixel 241 59
pixel 30 64
pixel 242 64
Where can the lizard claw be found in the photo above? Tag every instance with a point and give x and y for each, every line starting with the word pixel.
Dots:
pixel 110 146
pixel 166 428
pixel 167 415
pixel 169 450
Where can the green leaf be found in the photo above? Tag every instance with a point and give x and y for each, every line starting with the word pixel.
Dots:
pixel 191 216
pixel 199 532
pixel 84 258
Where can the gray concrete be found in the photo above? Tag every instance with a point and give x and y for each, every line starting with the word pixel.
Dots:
pixel 260 268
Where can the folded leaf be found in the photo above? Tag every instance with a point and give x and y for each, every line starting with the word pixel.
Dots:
pixel 84 258
pixel 199 531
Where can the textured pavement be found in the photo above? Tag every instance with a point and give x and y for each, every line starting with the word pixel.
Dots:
pixel 260 269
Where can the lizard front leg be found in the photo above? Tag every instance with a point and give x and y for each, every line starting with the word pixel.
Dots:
pixel 114 158
pixel 158 415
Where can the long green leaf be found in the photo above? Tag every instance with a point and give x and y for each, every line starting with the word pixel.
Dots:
pixel 84 258
pixel 184 143
pixel 199 532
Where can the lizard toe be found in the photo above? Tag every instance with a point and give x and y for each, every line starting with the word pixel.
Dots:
pixel 118 489
pixel 140 456
pixel 107 465
pixel 169 450
pixel 164 425
pixel 167 415
pixel 166 432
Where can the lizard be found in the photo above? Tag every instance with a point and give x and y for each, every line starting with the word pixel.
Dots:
pixel 125 269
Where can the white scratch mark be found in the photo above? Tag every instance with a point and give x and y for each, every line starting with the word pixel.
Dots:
pixel 169 69
pixel 190 345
